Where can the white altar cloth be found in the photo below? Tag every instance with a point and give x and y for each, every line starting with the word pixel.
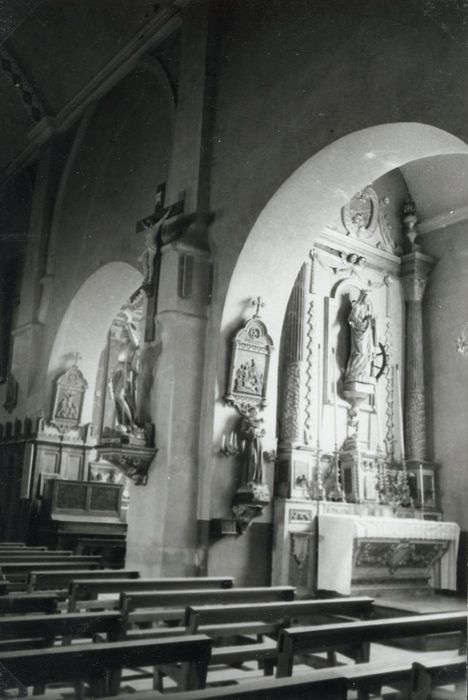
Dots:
pixel 336 534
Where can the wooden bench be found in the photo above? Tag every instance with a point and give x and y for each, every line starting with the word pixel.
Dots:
pixel 89 588
pixel 21 604
pixel 95 663
pixel 225 621
pixel 359 635
pixel 146 608
pixel 425 677
pixel 61 579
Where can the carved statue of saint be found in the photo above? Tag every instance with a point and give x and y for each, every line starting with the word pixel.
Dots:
pixel 362 322
pixel 252 432
pixel 123 383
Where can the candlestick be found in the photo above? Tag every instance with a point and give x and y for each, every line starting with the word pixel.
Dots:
pixel 379 433
pixel 319 394
pixel 421 481
pixel 319 489
pixel 337 492
pixel 400 416
pixel 335 398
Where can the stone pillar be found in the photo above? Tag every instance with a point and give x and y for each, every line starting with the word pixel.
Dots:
pixel 415 270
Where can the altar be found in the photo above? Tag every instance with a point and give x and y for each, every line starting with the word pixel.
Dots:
pixel 360 549
pixel 368 554
pixel 358 508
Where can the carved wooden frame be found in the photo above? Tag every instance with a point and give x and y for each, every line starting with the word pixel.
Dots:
pixel 250 362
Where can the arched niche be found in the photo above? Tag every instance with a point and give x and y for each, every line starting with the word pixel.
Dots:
pixel 86 322
pixel 291 222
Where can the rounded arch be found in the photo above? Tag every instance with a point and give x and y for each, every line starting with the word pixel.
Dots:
pixel 309 199
pixel 87 320
pixel 287 228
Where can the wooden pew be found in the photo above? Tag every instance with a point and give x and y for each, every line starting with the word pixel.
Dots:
pixel 319 685
pixel 61 579
pixel 94 663
pixel 277 613
pixel 17 573
pixel 146 608
pixel 21 604
pixel 359 635
pixel 425 677
pixel 46 629
pixel 89 588
pixel 225 621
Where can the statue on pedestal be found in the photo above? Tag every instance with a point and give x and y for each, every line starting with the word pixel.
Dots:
pixel 123 383
pixel 252 432
pixel 362 322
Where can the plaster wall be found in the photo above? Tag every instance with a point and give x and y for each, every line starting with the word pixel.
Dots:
pixel 447 370
pixel 120 154
pixel 290 85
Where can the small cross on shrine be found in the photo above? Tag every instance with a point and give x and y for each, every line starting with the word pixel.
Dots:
pixel 77 358
pixel 259 304
pixel 158 229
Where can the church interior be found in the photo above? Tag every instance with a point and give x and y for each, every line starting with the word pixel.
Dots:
pixel 233 349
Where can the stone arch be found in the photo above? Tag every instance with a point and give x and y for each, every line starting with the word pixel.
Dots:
pixel 86 322
pixel 291 221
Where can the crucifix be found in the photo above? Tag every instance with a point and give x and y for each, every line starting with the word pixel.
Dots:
pixel 159 229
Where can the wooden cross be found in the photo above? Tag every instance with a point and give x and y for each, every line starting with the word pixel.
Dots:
pixel 159 229
pixel 259 304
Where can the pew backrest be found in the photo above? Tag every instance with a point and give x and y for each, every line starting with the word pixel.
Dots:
pixel 46 580
pixel 67 625
pixel 170 605
pixel 21 604
pixel 330 637
pixel 90 588
pixel 431 674
pixel 8 567
pixel 279 612
pixel 18 557
pixel 91 662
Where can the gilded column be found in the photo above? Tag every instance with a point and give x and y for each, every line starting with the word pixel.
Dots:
pixel 414 273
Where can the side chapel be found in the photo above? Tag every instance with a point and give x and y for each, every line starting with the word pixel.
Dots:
pixel 234 261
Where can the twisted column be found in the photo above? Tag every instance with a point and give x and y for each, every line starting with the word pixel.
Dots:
pixel 292 415
pixel 414 273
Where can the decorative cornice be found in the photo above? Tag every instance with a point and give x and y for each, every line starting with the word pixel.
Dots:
pixel 375 257
pixel 415 269
pixel 441 221
pixel 144 40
